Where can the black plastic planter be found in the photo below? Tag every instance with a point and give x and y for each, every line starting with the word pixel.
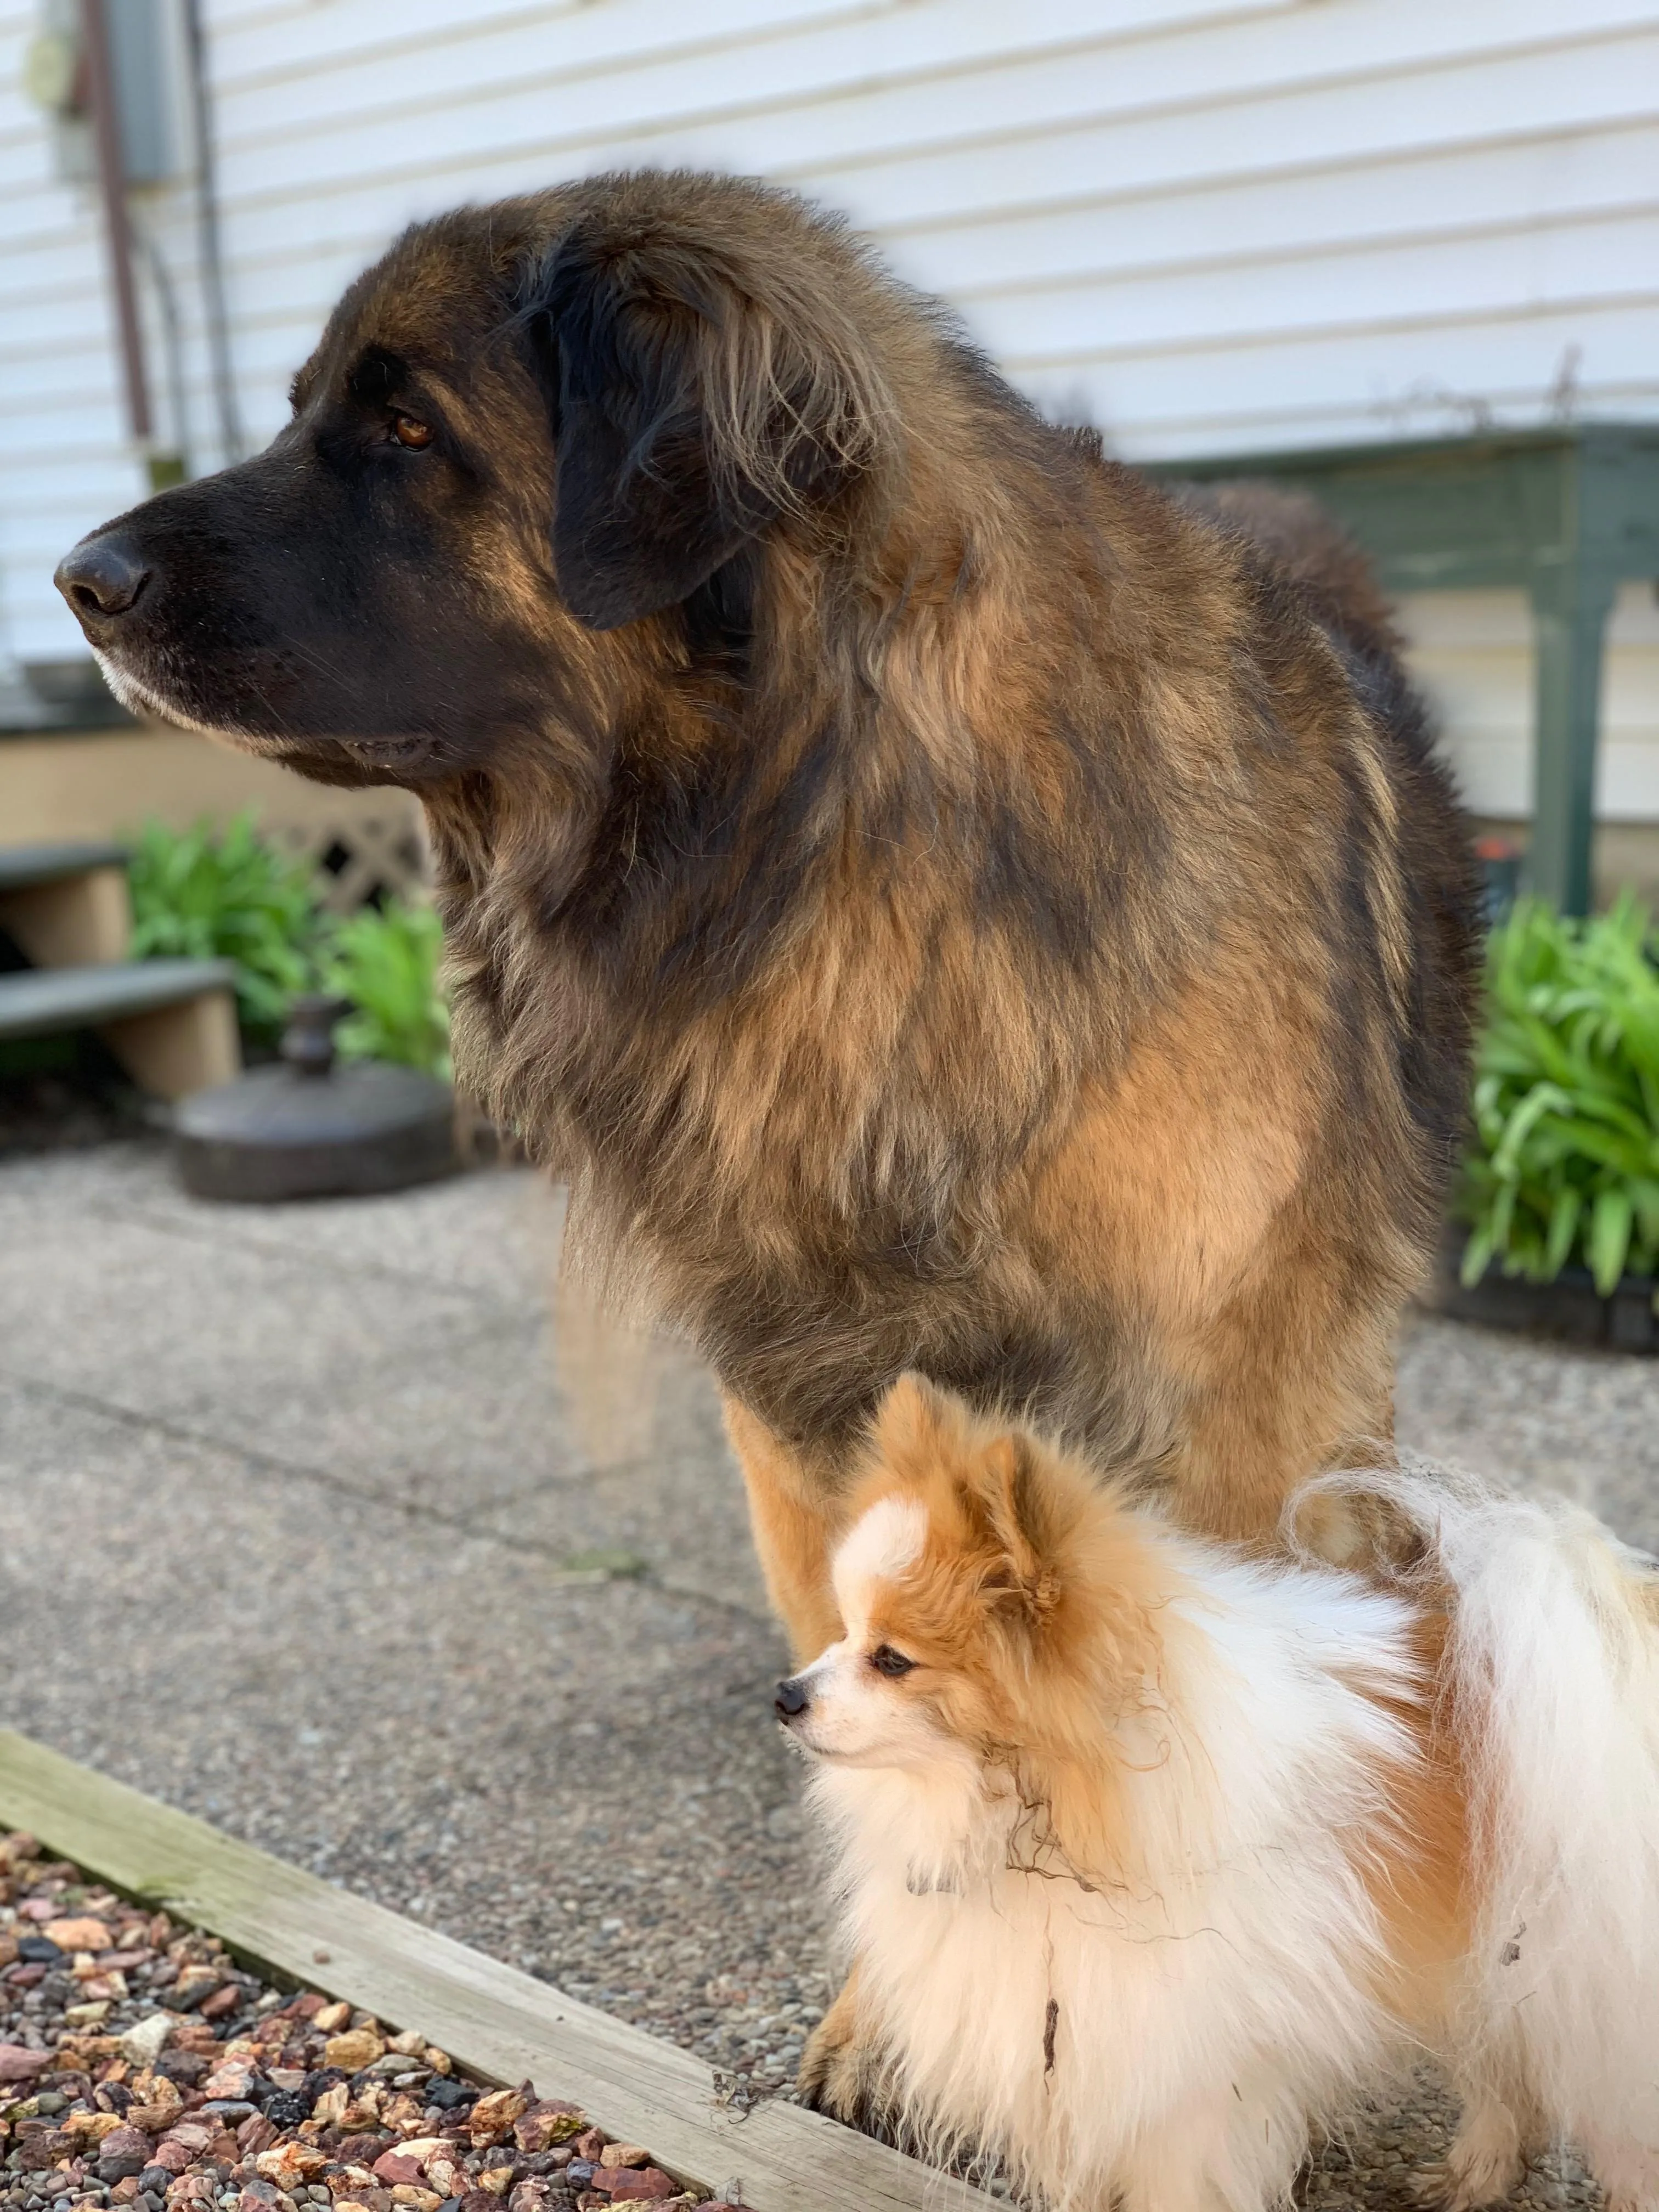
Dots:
pixel 1570 1309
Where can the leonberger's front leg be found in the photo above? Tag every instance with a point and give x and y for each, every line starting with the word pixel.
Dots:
pixel 792 1514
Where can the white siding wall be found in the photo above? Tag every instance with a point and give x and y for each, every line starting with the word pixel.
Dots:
pixel 1206 227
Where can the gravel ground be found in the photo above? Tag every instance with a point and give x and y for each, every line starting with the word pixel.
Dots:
pixel 141 2069
pixel 336 1526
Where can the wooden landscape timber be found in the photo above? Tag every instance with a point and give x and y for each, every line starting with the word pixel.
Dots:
pixel 494 2021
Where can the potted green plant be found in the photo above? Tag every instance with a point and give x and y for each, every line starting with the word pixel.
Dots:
pixel 1560 1188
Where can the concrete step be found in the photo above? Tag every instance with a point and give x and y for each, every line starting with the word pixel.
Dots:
pixel 23 866
pixel 172 1022
pixel 47 1001
pixel 66 905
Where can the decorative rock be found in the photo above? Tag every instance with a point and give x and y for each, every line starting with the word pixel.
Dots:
pixel 191 2136
pixel 123 2150
pixel 163 2116
pixel 144 2043
pixel 18 2064
pixel 194 1983
pixel 235 2080
pixel 423 2148
pixel 91 2127
pixel 394 2167
pixel 152 2118
pixel 288 2163
pixel 359 2150
pixel 635 2185
pixel 546 2124
pixel 86 1935
pixel 357 2048
pixel 492 2116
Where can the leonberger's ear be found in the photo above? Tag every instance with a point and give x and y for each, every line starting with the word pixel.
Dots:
pixel 694 400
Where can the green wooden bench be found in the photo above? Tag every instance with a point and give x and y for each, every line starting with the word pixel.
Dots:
pixel 171 1022
pixel 1567 514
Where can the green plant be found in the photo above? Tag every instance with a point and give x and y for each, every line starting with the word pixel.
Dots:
pixel 208 893
pixel 1565 1164
pixel 386 962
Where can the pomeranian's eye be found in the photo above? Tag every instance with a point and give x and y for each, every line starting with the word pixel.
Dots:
pixel 886 1660
pixel 410 433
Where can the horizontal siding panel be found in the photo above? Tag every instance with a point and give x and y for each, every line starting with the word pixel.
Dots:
pixel 1297 136
pixel 1289 208
pixel 1595 263
pixel 1297 205
pixel 795 127
pixel 1459 195
pixel 982 66
pixel 1305 129
pixel 270 44
pixel 359 32
pixel 1473 653
pixel 1330 391
pixel 1376 121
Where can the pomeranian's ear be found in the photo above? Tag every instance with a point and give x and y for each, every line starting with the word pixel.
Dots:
pixel 1010 1485
pixel 915 1416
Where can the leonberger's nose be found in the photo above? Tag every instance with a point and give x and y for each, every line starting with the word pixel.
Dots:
pixel 793 1699
pixel 102 577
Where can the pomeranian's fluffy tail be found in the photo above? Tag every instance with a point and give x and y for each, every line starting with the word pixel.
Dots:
pixel 1553 1665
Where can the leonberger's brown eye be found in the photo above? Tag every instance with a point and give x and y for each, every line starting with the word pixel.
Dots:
pixel 409 432
pixel 886 1660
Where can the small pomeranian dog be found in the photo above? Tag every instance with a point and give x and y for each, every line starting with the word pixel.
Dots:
pixel 1154 1856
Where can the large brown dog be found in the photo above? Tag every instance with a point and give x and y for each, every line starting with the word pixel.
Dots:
pixel 950 906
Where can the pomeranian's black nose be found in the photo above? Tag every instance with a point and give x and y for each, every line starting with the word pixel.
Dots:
pixel 793 1699
pixel 102 577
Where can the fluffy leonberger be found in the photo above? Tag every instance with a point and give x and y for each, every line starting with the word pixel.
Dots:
pixel 949 904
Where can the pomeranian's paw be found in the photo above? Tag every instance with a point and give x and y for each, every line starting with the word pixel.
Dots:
pixel 1485 2161
pixel 833 2077
pixel 841 2066
pixel 1628 2174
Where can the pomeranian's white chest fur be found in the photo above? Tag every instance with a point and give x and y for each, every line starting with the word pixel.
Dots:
pixel 1122 2021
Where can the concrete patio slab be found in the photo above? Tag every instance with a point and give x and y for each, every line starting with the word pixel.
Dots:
pixel 286 1497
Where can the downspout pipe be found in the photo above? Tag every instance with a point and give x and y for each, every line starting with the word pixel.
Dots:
pixel 118 230
pixel 212 253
